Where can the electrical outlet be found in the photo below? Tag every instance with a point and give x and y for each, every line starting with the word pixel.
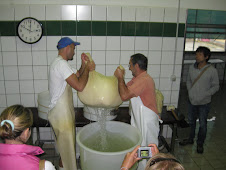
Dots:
pixel 173 78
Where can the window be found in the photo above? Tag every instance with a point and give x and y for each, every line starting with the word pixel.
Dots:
pixel 206 28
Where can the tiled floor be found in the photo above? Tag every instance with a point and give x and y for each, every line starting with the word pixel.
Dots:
pixel 214 156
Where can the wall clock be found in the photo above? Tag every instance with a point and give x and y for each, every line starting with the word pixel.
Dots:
pixel 29 30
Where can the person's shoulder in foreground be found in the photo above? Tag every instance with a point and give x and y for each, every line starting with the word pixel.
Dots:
pixel 15 129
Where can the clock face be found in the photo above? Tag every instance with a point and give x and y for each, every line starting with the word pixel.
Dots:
pixel 29 30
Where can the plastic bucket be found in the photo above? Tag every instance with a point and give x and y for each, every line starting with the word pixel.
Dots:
pixel 95 160
pixel 43 104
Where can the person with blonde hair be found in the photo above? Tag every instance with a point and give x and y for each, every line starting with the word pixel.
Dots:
pixel 15 130
pixel 164 162
pixel 158 161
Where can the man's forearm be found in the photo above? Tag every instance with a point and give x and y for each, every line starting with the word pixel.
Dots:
pixel 83 78
pixel 80 71
pixel 123 89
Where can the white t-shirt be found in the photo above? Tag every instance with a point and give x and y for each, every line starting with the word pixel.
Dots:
pixel 60 70
pixel 49 165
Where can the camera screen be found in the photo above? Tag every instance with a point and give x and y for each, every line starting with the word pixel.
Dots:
pixel 144 153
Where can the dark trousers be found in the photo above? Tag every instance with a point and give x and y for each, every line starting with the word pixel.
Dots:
pixel 200 112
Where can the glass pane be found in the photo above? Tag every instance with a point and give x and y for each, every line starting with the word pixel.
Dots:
pixel 206 17
pixel 203 17
pixel 189 44
pixel 218 17
pixel 190 35
pixel 212 44
pixel 190 29
pixel 206 28
pixel 191 16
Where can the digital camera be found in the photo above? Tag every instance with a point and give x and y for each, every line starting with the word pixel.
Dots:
pixel 144 152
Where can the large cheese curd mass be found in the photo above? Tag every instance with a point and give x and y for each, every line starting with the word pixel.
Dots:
pixel 159 100
pixel 100 91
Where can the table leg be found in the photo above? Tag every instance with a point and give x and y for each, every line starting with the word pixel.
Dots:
pixel 224 74
pixel 174 133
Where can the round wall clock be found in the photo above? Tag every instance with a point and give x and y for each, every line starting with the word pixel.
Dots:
pixel 29 30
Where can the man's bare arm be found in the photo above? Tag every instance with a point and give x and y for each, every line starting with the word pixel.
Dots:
pixel 79 83
pixel 124 92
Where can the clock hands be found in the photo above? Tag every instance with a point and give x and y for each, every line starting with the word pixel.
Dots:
pixel 26 28
pixel 30 29
pixel 35 30
pixel 30 26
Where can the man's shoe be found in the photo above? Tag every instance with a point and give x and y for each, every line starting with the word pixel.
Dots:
pixel 186 142
pixel 200 149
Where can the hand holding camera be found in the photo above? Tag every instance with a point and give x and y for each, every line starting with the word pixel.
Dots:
pixel 147 152
pixel 130 159
pixel 144 152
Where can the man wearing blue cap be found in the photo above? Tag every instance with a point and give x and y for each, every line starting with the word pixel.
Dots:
pixel 62 78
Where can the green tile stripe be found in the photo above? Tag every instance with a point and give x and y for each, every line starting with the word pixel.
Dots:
pixel 7 28
pixel 99 28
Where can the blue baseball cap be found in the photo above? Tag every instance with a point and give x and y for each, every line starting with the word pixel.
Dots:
pixel 65 41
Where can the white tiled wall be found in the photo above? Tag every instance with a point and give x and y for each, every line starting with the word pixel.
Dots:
pixel 24 67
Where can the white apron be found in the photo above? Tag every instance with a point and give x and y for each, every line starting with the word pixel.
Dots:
pixel 147 122
pixel 62 119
